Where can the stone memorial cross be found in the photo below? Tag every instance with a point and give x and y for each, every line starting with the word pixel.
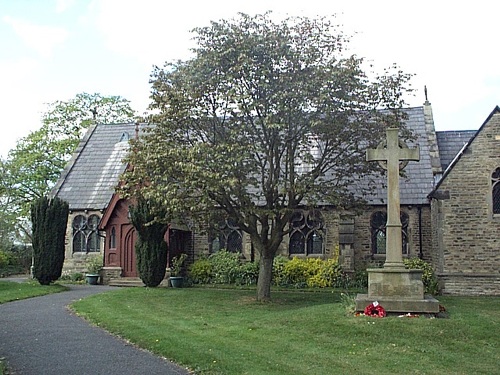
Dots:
pixel 392 153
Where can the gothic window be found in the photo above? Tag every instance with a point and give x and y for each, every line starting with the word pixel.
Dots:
pixel 377 223
pixel 495 191
pixel 226 235
pixel 307 234
pixel 86 234
pixel 79 226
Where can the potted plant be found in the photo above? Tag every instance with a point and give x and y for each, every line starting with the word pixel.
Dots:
pixel 94 265
pixel 176 280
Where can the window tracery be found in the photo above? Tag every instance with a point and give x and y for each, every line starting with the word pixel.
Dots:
pixel 307 233
pixel 86 234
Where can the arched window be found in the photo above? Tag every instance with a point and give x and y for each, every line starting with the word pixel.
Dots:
pixel 378 231
pixel 93 234
pixel 86 234
pixel 79 240
pixel 226 235
pixel 112 238
pixel 495 191
pixel 307 234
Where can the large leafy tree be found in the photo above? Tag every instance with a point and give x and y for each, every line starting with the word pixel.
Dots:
pixel 266 117
pixel 34 165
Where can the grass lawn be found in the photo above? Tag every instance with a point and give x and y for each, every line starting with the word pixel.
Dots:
pixel 12 291
pixel 227 332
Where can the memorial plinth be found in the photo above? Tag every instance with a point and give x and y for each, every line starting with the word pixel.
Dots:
pixel 395 288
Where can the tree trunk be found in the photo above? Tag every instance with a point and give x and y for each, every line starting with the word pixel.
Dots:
pixel 265 276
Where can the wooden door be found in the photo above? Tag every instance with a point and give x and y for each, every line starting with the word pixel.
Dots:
pixel 128 260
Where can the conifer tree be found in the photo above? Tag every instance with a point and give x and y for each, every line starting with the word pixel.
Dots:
pixel 49 219
pixel 150 248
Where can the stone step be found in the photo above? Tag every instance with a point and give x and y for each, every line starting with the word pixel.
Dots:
pixel 132 281
pixel 126 282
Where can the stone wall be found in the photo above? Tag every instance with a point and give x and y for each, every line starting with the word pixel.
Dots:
pixel 419 236
pixel 75 261
pixel 331 239
pixel 467 234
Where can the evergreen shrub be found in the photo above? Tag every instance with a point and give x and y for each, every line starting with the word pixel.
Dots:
pixel 247 273
pixel 200 272
pixel 429 278
pixel 312 272
pixel 5 259
pixel 150 247
pixel 49 218
pixel 279 277
pixel 224 267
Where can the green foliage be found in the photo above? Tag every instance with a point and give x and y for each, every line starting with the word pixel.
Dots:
pixel 75 277
pixel 17 260
pixel 94 263
pixel 348 302
pixel 49 219
pixel 177 264
pixel 224 267
pixel 312 272
pixel 428 277
pixel 6 259
pixel 150 247
pixel 279 278
pixel 234 122
pixel 247 273
pixel 34 165
pixel 200 271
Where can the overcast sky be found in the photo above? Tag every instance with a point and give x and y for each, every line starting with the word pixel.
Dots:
pixel 54 49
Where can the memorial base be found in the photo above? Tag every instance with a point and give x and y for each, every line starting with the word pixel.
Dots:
pixel 397 290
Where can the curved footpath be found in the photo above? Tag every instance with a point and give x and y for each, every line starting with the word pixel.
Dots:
pixel 40 336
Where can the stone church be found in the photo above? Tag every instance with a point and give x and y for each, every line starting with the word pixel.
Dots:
pixel 450 211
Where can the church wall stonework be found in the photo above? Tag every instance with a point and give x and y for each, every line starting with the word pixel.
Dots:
pixel 75 261
pixel 419 236
pixel 466 238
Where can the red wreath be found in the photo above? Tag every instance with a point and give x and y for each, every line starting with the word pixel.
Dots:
pixel 374 309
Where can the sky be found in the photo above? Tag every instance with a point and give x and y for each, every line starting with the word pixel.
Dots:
pixel 54 49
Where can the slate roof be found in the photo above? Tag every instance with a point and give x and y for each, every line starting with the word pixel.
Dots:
pixel 450 143
pixel 418 179
pixel 88 181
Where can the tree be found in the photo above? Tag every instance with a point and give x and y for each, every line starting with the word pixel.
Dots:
pixel 266 117
pixel 49 218
pixel 34 165
pixel 150 248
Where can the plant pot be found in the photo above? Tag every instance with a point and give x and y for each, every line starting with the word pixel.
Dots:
pixel 92 279
pixel 176 281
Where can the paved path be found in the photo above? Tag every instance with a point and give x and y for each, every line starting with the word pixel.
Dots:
pixel 39 336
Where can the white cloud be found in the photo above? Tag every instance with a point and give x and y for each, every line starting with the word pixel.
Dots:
pixel 19 113
pixel 43 39
pixel 63 5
